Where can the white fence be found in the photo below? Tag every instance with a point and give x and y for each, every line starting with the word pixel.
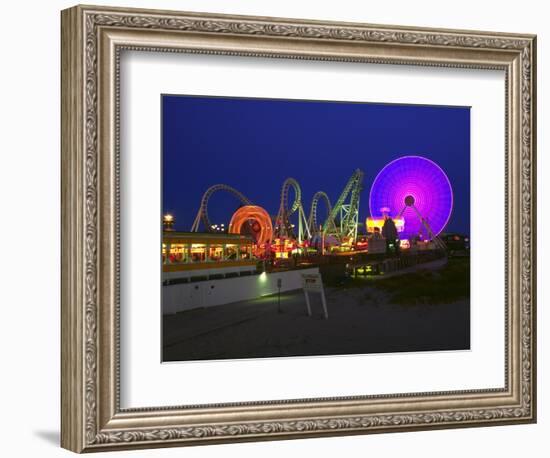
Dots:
pixel 186 296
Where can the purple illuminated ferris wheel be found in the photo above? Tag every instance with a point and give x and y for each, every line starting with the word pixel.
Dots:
pixel 416 189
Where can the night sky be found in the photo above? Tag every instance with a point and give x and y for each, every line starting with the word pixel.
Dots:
pixel 253 145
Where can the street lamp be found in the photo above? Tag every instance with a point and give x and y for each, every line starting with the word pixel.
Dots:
pixel 168 221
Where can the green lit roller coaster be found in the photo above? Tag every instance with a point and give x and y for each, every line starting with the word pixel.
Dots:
pixel 341 222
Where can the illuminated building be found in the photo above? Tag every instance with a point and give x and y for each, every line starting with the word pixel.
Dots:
pixel 378 222
pixel 283 248
pixel 187 254
pixel 210 269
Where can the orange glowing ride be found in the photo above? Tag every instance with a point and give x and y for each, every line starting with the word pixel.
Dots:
pixel 255 221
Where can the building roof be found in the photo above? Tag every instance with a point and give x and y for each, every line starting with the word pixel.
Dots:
pixel 205 237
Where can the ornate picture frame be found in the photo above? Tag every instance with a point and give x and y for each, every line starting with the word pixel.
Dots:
pixel 92 40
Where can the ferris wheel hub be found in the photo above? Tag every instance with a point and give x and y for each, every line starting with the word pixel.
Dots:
pixel 409 201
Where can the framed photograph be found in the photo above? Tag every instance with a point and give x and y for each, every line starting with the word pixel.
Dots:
pixel 277 228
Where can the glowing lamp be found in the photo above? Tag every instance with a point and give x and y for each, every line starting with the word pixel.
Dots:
pixel 168 221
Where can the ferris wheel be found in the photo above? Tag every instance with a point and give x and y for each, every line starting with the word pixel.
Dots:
pixel 416 189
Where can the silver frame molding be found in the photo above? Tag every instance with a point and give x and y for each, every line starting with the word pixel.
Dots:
pixel 92 39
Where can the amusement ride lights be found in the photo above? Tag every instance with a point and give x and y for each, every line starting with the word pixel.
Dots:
pixel 346 213
pixel 313 223
pixel 416 189
pixel 283 227
pixel 258 222
pixel 413 190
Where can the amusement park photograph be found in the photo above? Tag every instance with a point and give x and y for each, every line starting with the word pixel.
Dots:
pixel 302 228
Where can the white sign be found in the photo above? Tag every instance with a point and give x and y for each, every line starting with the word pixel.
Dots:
pixel 314 282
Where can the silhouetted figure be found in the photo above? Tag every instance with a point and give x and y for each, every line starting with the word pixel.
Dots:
pixel 389 232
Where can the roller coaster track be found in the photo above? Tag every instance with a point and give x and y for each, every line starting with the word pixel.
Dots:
pixel 346 214
pixel 312 220
pixel 202 214
pixel 283 226
pixel 342 219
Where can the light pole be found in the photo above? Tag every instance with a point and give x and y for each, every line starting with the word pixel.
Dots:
pixel 279 285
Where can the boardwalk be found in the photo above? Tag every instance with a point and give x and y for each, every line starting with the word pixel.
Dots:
pixel 361 320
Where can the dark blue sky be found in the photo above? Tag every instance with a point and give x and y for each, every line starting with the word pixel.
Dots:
pixel 255 144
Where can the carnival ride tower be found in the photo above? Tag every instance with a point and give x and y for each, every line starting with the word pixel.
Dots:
pixel 283 225
pixel 343 218
pixel 314 226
